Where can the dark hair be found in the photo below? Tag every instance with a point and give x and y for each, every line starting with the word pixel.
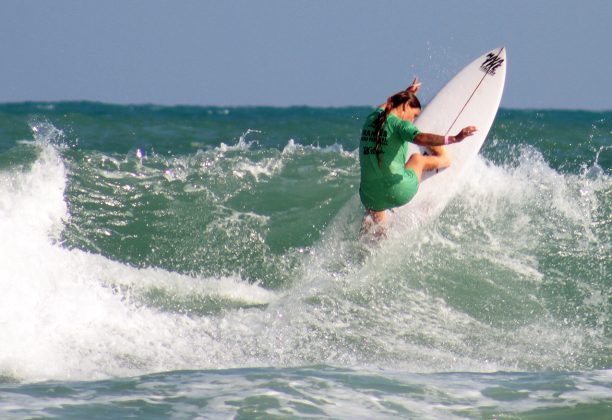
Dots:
pixel 405 96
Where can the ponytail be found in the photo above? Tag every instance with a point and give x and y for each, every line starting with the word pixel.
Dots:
pixel 378 127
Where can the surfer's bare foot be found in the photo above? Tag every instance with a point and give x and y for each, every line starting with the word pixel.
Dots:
pixel 373 230
pixel 374 223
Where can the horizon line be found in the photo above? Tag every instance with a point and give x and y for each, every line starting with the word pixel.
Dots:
pixel 193 105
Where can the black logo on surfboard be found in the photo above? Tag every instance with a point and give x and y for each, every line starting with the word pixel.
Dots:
pixel 492 63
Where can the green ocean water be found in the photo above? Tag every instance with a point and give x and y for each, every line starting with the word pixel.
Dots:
pixel 205 262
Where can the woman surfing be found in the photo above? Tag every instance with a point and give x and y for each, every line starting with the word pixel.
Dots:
pixel 388 179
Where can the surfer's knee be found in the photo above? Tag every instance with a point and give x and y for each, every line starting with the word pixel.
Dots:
pixel 416 163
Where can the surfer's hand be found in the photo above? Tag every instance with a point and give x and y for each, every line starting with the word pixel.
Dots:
pixel 465 132
pixel 414 86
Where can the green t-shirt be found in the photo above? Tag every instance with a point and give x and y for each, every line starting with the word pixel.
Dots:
pixel 395 136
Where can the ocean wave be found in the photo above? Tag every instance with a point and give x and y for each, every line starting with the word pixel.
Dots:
pixel 234 257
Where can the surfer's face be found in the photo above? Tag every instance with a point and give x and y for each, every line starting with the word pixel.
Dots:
pixel 409 113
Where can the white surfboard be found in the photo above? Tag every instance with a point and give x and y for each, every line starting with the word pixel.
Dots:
pixel 472 97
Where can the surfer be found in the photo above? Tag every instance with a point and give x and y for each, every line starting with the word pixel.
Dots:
pixel 387 179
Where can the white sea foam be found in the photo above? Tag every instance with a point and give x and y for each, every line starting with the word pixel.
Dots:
pixel 66 313
pixel 443 279
pixel 71 314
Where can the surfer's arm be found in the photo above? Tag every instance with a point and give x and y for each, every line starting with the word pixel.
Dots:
pixel 430 139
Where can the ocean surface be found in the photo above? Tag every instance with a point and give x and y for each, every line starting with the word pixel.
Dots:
pixel 205 262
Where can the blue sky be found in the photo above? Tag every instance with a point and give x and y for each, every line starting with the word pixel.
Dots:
pixel 318 53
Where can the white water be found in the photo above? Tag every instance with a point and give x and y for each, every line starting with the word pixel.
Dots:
pixel 68 314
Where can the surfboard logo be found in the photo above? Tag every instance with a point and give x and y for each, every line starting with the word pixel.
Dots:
pixel 492 63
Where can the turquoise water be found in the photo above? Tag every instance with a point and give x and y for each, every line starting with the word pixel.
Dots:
pixel 205 261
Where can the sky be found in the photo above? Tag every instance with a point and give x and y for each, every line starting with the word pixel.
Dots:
pixel 289 52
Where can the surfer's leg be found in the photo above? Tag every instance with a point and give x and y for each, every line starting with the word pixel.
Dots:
pixel 421 163
pixel 377 217
pixel 441 153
